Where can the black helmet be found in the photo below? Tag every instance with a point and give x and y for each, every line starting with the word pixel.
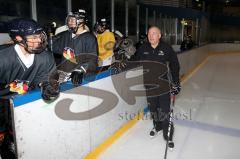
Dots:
pixel 80 17
pixel 101 25
pixel 24 27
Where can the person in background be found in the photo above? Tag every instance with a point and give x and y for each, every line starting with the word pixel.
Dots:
pixel 187 43
pixel 106 42
pixel 76 48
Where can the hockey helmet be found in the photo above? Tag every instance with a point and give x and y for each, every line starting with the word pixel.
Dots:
pixel 75 19
pixel 101 26
pixel 24 27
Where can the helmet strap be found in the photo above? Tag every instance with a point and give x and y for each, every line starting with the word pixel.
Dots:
pixel 22 43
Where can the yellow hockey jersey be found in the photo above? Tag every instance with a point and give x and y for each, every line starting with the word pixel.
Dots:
pixel 106 42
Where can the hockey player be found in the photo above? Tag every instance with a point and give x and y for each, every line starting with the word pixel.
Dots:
pixel 156 50
pixel 106 42
pixel 77 47
pixel 23 66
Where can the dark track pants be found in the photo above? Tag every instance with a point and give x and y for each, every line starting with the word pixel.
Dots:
pixel 160 112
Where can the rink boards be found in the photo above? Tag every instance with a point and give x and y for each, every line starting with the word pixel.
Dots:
pixel 80 120
pixel 77 122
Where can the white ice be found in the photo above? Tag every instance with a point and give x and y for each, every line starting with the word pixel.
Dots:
pixel 207 119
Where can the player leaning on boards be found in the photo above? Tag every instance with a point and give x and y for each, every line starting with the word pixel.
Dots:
pixel 24 65
pixel 106 43
pixel 76 48
pixel 27 61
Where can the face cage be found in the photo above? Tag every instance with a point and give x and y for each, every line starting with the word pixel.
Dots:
pixel 39 49
pixel 72 29
pixel 100 29
pixel 78 23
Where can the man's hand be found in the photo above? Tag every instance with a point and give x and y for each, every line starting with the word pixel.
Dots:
pixel 175 88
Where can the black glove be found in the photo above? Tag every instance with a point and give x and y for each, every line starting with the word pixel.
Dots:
pixel 50 90
pixel 118 66
pixel 175 88
pixel 76 77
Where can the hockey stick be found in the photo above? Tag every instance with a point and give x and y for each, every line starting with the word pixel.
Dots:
pixel 170 125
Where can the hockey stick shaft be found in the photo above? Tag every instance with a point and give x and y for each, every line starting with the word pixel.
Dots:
pixel 170 125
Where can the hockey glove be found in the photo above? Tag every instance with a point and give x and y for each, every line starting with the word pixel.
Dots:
pixel 77 76
pixel 175 89
pixel 50 90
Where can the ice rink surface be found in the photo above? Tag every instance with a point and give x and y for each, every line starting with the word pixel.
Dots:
pixel 207 119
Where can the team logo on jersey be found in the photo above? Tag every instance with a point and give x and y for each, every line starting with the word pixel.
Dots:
pixel 69 54
pixel 19 86
pixel 161 53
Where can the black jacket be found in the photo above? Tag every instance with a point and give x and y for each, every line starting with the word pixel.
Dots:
pixel 164 54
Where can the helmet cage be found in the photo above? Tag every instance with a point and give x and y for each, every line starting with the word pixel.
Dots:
pixel 101 26
pixel 42 46
pixel 80 18
pixel 25 27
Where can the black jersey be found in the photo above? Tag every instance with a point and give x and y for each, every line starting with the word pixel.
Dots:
pixel 12 68
pixel 5 46
pixel 164 54
pixel 84 47
pixel 83 43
